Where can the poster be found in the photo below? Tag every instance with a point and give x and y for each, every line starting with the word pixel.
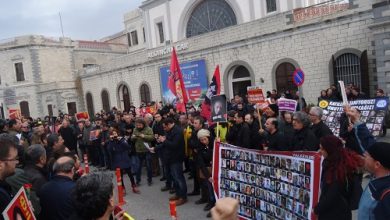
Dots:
pixel 14 113
pixel 19 209
pixel 94 134
pixel 288 105
pixel 268 185
pixel 82 116
pixel 218 108
pixel 372 113
pixel 255 94
pixel 195 81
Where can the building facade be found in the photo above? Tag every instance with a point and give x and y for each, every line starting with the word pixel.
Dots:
pixel 255 42
pixel 40 75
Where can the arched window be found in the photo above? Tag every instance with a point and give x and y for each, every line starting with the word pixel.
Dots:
pixel 210 15
pixel 239 80
pixel 145 93
pixel 284 78
pixel 352 69
pixel 24 109
pixel 124 97
pixel 90 107
pixel 105 101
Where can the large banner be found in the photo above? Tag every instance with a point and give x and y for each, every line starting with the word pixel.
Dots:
pixel 195 81
pixel 373 113
pixel 268 185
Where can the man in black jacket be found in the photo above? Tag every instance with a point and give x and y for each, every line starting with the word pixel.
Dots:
pixel 256 140
pixel 239 134
pixel 276 139
pixel 8 162
pixel 319 128
pixel 69 135
pixel 173 144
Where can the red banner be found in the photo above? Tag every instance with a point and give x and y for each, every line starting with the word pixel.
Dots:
pixel 255 95
pixel 268 184
pixel 82 116
pixel 14 113
pixel 19 208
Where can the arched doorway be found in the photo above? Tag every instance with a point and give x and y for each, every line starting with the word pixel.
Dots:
pixel 239 80
pixel 284 78
pixel 145 93
pixel 24 108
pixel 90 107
pixel 124 97
pixel 105 101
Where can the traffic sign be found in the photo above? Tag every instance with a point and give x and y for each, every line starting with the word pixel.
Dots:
pixel 298 77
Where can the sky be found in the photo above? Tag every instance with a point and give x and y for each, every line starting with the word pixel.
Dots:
pixel 81 19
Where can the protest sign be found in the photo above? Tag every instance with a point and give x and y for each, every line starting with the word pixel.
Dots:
pixel 255 94
pixel 268 185
pixel 218 111
pixel 94 134
pixel 14 113
pixel 288 105
pixel 373 113
pixel 82 116
pixel 19 208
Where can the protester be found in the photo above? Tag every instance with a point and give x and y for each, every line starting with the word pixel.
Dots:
pixel 174 153
pixel 55 195
pixel 304 138
pixel 338 168
pixel 69 135
pixel 375 201
pixel 8 162
pixel 256 140
pixel 205 159
pixel 319 128
pixel 119 150
pixel 239 134
pixel 142 138
pixel 275 139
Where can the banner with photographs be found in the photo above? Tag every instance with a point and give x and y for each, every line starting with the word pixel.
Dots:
pixel 268 184
pixel 373 113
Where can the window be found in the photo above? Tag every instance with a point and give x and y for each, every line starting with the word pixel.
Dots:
pixel 210 15
pixel 143 31
pixel 284 78
pixel 134 38
pixel 105 101
pixel 145 93
pixel 347 69
pixel 90 107
pixel 161 32
pixel 271 6
pixel 128 39
pixel 72 110
pixel 19 72
pixel 24 109
pixel 86 65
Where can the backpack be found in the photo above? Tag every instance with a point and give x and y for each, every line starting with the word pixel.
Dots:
pixel 354 190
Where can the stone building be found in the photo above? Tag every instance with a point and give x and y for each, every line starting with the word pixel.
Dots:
pixel 255 42
pixel 40 75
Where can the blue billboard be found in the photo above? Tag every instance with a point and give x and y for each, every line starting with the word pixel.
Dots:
pixel 195 81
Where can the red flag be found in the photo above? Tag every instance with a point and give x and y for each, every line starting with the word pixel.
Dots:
pixel 176 83
pixel 214 89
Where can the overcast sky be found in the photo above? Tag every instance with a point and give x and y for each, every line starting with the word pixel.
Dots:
pixel 81 19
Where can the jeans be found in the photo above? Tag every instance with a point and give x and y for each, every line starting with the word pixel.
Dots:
pixel 148 158
pixel 210 190
pixel 178 177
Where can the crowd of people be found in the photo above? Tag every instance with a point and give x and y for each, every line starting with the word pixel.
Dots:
pixel 46 153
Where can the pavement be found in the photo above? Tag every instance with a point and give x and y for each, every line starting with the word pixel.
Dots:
pixel 152 204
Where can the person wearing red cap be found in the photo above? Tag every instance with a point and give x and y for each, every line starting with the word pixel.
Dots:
pixel 375 201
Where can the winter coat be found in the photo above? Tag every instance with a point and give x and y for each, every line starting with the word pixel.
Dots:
pixel 119 151
pixel 304 140
pixel 139 142
pixel 320 130
pixel 205 158
pixel 277 141
pixel 174 145
pixel 239 135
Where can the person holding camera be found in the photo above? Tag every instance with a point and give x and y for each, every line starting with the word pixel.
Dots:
pixel 119 149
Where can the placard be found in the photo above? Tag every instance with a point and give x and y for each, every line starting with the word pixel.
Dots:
pixel 288 105
pixel 255 94
pixel 19 208
pixel 14 113
pixel 268 185
pixel 373 113
pixel 82 116
pixel 218 108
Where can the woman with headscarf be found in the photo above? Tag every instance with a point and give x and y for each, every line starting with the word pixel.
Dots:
pixel 204 162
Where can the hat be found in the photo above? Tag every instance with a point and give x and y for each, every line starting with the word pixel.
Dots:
pixel 380 151
pixel 274 108
pixel 203 133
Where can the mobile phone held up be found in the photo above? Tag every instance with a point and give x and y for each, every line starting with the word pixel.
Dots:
pixel 126 216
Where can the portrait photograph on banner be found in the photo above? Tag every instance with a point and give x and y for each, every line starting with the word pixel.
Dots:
pixel 218 108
